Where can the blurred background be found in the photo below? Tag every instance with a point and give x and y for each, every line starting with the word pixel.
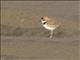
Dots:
pixel 22 18
pixel 24 38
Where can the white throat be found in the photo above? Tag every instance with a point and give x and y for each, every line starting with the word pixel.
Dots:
pixel 43 21
pixel 49 28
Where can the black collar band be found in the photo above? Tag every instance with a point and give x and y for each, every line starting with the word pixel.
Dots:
pixel 44 22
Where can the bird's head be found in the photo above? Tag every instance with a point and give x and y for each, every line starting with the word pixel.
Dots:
pixel 44 19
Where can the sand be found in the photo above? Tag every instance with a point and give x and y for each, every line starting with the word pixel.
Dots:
pixel 39 48
pixel 26 14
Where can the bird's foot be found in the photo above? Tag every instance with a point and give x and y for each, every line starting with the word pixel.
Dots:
pixel 50 37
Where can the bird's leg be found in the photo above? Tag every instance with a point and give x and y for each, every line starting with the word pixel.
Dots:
pixel 51 34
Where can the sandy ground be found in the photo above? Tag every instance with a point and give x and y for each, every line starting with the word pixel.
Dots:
pixel 13 12
pixel 39 48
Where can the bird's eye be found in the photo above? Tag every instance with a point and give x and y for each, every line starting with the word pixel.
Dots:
pixel 41 17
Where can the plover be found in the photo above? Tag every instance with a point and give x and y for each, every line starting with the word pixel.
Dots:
pixel 49 24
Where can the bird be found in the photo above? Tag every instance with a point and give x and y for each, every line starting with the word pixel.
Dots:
pixel 49 24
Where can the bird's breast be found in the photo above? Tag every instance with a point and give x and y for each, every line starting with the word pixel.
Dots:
pixel 48 27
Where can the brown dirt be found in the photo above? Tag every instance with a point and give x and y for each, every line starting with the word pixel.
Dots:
pixel 39 48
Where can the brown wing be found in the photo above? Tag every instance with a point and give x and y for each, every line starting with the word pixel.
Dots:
pixel 53 23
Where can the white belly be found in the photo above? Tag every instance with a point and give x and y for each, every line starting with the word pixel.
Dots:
pixel 49 28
